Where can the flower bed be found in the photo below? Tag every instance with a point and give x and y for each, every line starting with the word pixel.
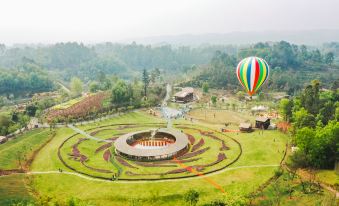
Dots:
pixel 151 164
pixel 80 109
pixel 107 155
pixel 224 146
pixel 96 169
pixel 76 155
pixel 124 162
pixel 198 145
pixel 103 147
pixel 221 157
pixel 191 139
pixel 193 154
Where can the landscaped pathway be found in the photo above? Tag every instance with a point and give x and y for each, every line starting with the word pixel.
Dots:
pixel 144 181
pixel 86 134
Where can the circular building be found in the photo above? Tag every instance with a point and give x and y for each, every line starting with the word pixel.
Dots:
pixel 151 145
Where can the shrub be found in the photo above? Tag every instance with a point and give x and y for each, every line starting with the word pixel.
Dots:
pixel 191 197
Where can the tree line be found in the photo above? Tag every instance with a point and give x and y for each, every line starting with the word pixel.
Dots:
pixel 314 115
pixel 291 66
pixel 25 79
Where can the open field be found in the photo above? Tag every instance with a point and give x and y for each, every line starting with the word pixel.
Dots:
pixel 96 161
pixel 220 117
pixel 23 147
pixel 13 189
pixel 255 166
pixel 261 155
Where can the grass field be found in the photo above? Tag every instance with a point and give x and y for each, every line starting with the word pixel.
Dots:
pixel 220 117
pixel 257 164
pixel 13 190
pixel 96 160
pixel 260 153
pixel 22 146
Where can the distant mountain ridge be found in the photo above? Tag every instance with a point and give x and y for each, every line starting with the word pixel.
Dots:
pixel 308 37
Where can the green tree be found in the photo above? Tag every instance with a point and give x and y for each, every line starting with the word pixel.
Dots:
pixel 326 113
pixel 145 80
pixel 120 94
pixel 310 97
pixel 4 124
pixel 31 110
pixel 318 147
pixel 329 57
pixel 302 119
pixel 214 100
pixel 205 87
pixel 286 107
pixel 192 197
pixel 76 86
pixel 94 86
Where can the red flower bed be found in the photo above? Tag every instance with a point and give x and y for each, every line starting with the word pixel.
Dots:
pixel 197 168
pixel 198 145
pixel 97 131
pixel 210 134
pixel 191 139
pixel 151 164
pixel 176 171
pixel 124 162
pixel 193 154
pixel 221 157
pixel 103 147
pixel 107 155
pixel 96 169
pixel 80 109
pixel 76 155
pixel 190 160
pixel 224 147
pixel 129 173
pixel 112 138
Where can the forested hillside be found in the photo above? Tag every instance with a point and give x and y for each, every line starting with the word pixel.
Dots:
pixel 73 59
pixel 24 80
pixel 291 66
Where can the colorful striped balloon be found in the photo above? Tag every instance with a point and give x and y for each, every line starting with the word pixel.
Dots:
pixel 252 72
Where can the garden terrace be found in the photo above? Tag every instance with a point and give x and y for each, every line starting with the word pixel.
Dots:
pixel 99 157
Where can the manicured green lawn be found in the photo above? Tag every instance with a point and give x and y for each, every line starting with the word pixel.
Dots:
pixel 96 160
pixel 22 146
pixel 258 150
pixel 235 182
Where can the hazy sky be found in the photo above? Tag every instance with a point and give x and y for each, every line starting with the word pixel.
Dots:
pixel 46 21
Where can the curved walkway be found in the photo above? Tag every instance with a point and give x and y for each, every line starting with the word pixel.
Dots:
pixel 77 130
pixel 133 182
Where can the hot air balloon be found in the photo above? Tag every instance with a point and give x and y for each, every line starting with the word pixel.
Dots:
pixel 252 72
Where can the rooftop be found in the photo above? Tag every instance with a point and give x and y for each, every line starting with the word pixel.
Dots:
pixel 245 125
pixel 184 92
pixel 181 141
pixel 261 119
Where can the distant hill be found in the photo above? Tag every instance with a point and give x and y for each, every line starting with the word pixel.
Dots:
pixel 308 37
